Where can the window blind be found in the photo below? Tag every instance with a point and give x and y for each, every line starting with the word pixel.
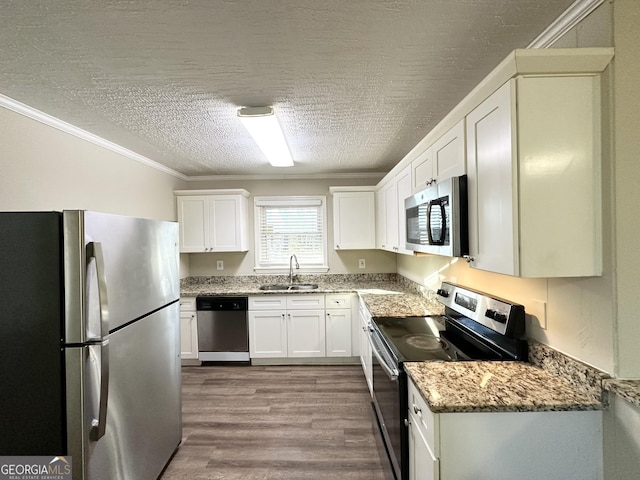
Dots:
pixel 288 227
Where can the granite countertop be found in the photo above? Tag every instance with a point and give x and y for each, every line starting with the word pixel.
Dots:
pixel 627 389
pixel 484 386
pixel 382 294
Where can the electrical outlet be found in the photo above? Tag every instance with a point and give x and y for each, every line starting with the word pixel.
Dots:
pixel 362 263
pixel 537 312
pixel 220 265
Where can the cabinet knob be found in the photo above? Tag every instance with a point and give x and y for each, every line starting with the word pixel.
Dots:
pixel 337 246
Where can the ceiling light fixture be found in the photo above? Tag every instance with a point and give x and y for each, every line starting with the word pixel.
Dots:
pixel 263 126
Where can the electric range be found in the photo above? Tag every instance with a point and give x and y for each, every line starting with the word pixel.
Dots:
pixel 475 326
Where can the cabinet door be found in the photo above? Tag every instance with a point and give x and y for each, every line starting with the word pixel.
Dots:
pixel 491 183
pixel 354 222
pixel 381 220
pixel 338 332
pixel 422 464
pixel 391 216
pixel 227 223
pixel 306 333
pixel 188 336
pixel 449 154
pixel 193 219
pixel 267 334
pixel 403 190
pixel 365 346
pixel 423 171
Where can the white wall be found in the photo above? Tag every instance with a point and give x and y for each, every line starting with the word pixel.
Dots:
pixel 376 261
pixel 42 168
pixel 621 440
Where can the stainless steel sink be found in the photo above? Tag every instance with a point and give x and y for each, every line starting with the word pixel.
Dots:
pixel 303 286
pixel 297 286
pixel 274 287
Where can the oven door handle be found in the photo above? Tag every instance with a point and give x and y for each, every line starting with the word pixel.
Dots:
pixel 391 372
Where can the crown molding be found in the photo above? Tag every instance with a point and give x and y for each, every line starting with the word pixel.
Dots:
pixel 310 176
pixel 573 15
pixel 51 121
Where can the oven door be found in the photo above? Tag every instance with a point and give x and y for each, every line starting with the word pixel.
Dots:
pixel 387 395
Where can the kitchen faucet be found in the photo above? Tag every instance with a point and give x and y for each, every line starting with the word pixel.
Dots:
pixel 291 268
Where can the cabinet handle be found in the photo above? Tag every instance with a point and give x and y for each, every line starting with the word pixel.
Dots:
pixel 417 410
pixel 407 422
pixel 469 258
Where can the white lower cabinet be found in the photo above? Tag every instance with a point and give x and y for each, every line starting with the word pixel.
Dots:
pixel 365 346
pixel 338 324
pixel 267 334
pixel 283 326
pixel 301 325
pixel 554 445
pixel 188 329
pixel 305 333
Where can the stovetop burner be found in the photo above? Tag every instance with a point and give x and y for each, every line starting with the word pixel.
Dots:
pixel 423 341
pixel 414 338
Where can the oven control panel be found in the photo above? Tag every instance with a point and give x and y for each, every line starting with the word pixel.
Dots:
pixel 500 315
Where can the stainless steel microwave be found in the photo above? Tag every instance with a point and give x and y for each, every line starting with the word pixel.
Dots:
pixel 437 219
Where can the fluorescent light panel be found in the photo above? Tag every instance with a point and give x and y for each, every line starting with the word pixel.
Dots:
pixel 263 126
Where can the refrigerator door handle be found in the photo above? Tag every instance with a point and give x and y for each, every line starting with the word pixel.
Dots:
pixel 98 425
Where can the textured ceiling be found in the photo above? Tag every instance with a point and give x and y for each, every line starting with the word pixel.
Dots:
pixel 355 83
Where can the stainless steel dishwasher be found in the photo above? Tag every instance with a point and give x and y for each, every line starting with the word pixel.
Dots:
pixel 223 329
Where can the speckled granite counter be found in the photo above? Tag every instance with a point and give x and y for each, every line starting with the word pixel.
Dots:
pixel 449 387
pixel 383 294
pixel 627 389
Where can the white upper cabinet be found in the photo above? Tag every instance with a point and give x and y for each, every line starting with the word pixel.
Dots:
pixel 442 160
pixel 381 220
pixel 403 190
pixel 354 218
pixel 390 212
pixel 534 153
pixel 213 220
pixel 528 137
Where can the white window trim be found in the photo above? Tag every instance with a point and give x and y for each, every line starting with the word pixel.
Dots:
pixel 290 200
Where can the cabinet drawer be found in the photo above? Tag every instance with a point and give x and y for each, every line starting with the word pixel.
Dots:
pixel 187 304
pixel 424 418
pixel 304 301
pixel 268 302
pixel 338 300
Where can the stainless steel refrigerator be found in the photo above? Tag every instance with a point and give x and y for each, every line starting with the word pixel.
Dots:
pixel 90 342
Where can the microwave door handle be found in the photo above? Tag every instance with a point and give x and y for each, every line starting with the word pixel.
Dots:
pixel 443 223
pixel 430 204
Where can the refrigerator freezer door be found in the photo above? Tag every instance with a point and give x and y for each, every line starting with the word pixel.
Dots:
pixel 141 269
pixel 144 423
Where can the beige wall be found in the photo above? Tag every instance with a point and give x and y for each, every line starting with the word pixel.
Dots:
pixel 42 168
pixel 376 261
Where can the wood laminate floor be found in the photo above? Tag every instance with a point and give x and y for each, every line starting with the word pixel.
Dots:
pixel 276 422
